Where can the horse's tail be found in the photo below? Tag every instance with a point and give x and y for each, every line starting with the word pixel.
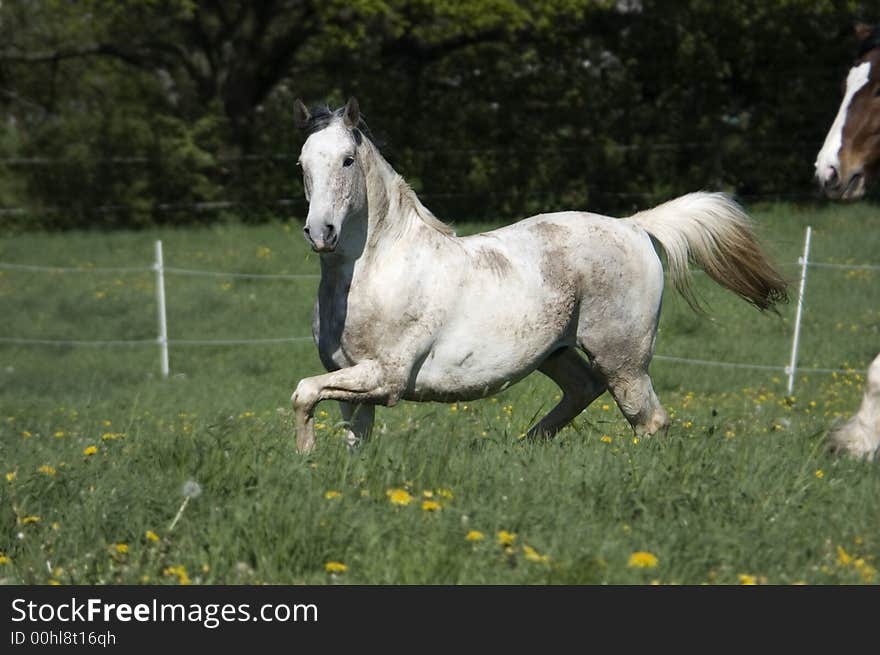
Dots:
pixel 712 231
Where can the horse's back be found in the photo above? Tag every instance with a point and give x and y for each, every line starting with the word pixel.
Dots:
pixel 569 248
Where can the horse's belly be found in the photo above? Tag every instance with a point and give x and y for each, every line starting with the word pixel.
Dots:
pixel 471 371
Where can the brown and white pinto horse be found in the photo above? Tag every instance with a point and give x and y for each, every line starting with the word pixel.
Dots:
pixel 848 161
pixel 850 157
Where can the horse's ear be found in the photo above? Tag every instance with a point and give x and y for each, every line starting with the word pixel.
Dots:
pixel 301 114
pixel 352 114
pixel 863 30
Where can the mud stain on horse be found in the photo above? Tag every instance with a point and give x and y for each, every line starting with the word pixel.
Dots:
pixel 492 260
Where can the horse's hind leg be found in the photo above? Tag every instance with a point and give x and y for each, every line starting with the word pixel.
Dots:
pixel 358 420
pixel 580 386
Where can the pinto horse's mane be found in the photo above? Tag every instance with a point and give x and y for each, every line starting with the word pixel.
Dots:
pixel 872 42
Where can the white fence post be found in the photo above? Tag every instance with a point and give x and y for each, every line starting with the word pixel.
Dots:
pixel 160 299
pixel 804 262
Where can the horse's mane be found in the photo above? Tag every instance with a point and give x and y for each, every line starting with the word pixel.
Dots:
pixel 321 116
pixel 870 43
pixel 409 197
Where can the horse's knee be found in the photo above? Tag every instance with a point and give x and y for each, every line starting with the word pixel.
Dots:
pixel 305 396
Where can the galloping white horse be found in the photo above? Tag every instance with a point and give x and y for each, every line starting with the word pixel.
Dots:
pixel 407 310
pixel 848 161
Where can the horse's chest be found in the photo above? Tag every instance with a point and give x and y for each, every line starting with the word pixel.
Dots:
pixel 347 331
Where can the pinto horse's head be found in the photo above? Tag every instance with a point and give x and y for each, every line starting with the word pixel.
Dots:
pixel 850 156
pixel 333 172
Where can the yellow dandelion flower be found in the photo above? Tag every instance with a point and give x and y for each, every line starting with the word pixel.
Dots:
pixel 533 555
pixel 431 505
pixel 688 424
pixel 335 567
pixel 605 439
pixel 635 440
pixel 820 473
pixel 47 470
pixel 642 559
pixel 332 493
pixel 111 436
pixel 399 496
pixel 746 579
pixel 151 536
pixel 474 535
pixel 106 423
pixel 90 450
pixel 867 571
pixel 56 525
pixel 59 433
pixel 427 493
pixel 4 559
pixel 178 572
pixel 506 538
pixel 605 408
pixel 11 476
pixel 843 557
pixel 445 493
pixel 121 548
pixel 730 434
pixel 27 434
pixel 27 520
pixel 54 583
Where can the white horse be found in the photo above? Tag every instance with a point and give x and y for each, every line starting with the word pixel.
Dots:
pixel 407 310
pixel 847 163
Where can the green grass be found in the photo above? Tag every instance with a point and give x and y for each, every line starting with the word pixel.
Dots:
pixel 741 485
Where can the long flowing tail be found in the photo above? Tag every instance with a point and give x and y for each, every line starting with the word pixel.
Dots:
pixel 713 232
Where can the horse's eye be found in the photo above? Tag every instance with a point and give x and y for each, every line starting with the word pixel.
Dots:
pixel 348 161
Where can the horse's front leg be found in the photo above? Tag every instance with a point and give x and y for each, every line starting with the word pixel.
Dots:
pixel 366 383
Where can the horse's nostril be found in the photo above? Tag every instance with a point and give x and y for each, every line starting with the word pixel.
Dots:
pixel 330 229
pixel 832 179
pixel 306 231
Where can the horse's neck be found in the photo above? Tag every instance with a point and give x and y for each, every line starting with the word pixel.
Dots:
pixel 396 219
pixel 395 212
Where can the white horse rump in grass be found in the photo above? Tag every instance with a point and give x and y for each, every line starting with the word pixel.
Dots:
pixel 860 435
pixel 406 310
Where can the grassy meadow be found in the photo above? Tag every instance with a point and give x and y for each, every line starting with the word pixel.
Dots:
pixel 113 475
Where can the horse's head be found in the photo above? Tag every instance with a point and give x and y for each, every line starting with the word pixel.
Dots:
pixel 850 156
pixel 333 173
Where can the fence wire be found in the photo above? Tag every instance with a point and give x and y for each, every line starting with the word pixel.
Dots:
pixel 99 343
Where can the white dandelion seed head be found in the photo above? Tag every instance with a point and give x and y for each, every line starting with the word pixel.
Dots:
pixel 192 489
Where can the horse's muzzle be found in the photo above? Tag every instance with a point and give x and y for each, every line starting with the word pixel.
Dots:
pixel 325 242
pixel 853 189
